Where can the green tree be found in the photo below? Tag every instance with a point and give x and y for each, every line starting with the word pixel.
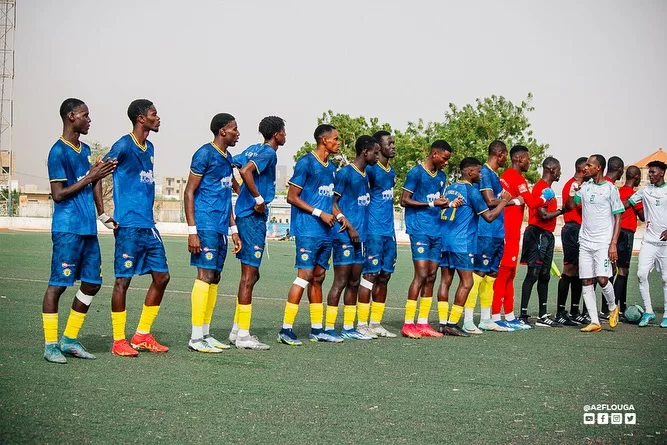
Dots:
pixel 15 202
pixel 97 151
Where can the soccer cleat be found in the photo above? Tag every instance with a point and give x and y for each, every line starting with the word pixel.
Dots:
pixel 518 325
pixel 199 345
pixel 72 346
pixel 547 322
pixel 646 318
pixel 410 330
pixel 250 342
pixel 565 319
pixel 53 354
pixel 455 331
pixel 232 336
pixel 329 336
pixel 581 319
pixel 123 349
pixel 490 325
pixel 365 329
pixel 613 318
pixel 146 342
pixel 604 315
pixel 353 334
pixel 591 328
pixel 663 323
pixel 288 337
pixel 380 331
pixel 524 319
pixel 505 324
pixel 425 330
pixel 470 328
pixel 215 343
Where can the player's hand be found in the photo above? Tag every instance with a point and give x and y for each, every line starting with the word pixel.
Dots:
pixel 102 169
pixel 260 208
pixel 458 202
pixel 663 236
pixel 613 254
pixel 354 235
pixel 548 194
pixel 111 224
pixel 344 224
pixel 328 219
pixel 194 244
pixel 574 188
pixel 441 202
pixel 505 195
pixel 237 243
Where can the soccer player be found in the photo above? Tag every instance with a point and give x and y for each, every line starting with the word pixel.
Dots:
pixel 257 166
pixel 208 211
pixel 538 246
pixel 600 227
pixel 139 249
pixel 311 196
pixel 490 243
pixel 380 245
pixel 653 252
pixel 77 190
pixel 459 241
pixel 627 236
pixel 422 199
pixel 503 288
pixel 569 236
pixel 350 205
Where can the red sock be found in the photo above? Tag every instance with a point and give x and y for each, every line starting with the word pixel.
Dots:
pixel 499 287
pixel 508 303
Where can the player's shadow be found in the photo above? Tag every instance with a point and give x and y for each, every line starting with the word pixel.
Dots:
pixel 96 344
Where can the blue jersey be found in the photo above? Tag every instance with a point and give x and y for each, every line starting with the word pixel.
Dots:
pixel 489 180
pixel 316 181
pixel 133 182
pixel 213 197
pixel 69 164
pixel 265 159
pixel 459 228
pixel 352 186
pixel 381 209
pixel 425 187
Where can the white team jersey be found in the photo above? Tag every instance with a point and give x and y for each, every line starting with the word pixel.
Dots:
pixel 655 211
pixel 599 203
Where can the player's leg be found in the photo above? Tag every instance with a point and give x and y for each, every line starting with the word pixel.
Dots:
pixel 546 256
pixel 526 289
pixel 420 260
pixel 624 248
pixel 603 270
pixel 496 249
pixel 433 255
pixel 446 278
pixel 661 259
pixel 69 343
pixel 316 307
pixel 645 263
pixel 350 299
pixel 372 266
pixel 127 247
pixel 587 274
pixel 388 264
pixel 52 295
pixel 342 273
pixel 462 291
pixel 471 300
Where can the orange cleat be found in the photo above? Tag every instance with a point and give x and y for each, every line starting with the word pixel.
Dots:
pixel 123 349
pixel 410 330
pixel 425 330
pixel 146 342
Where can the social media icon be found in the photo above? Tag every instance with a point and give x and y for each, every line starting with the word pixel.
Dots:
pixel 603 418
pixel 630 418
pixel 616 418
pixel 589 418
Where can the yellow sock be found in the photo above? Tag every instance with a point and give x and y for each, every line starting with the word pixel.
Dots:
pixel 443 311
pixel 363 309
pixel 118 320
pixel 377 311
pixel 332 314
pixel 74 323
pixel 236 312
pixel 424 309
pixel 349 312
pixel 50 323
pixel 410 310
pixel 199 299
pixel 316 315
pixel 291 310
pixel 471 301
pixel 147 318
pixel 210 303
pixel 486 297
pixel 245 313
pixel 455 315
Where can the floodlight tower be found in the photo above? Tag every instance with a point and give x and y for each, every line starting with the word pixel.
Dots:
pixel 7 29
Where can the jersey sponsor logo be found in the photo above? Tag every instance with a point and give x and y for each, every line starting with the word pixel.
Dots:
pixel 256 247
pixel 326 190
pixel 66 265
pixel 388 195
pixel 208 249
pixel 226 182
pixel 302 250
pixel 146 177
pixel 364 200
pixel 432 196
pixel 523 188
pixel 126 256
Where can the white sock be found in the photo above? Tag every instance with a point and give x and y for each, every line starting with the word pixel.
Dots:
pixel 316 325
pixel 243 333
pixel 495 317
pixel 486 313
pixel 510 316
pixel 348 326
pixel 467 315
pixel 608 294
pixel 287 326
pixel 589 299
pixel 206 329
pixel 235 327
pixel 197 332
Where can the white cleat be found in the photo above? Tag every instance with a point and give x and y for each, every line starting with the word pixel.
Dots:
pixel 490 325
pixel 470 328
pixel 250 342
pixel 366 330
pixel 215 343
pixel 199 345
pixel 233 335
pixel 380 331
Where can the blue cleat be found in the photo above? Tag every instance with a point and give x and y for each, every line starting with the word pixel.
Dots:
pixel 505 325
pixel 72 346
pixel 663 323
pixel 518 325
pixel 646 318
pixel 322 335
pixel 288 337
pixel 353 334
pixel 52 354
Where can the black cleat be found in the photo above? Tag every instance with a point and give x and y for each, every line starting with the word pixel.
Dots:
pixel 547 322
pixel 454 330
pixel 566 320
pixel 524 319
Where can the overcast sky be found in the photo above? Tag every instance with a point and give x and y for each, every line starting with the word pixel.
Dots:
pixel 597 69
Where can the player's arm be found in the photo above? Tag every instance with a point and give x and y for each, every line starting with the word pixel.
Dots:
pixel 294 198
pixel 236 187
pixel 613 254
pixel 194 244
pixel 573 199
pixel 234 233
pixel 491 215
pixel 107 220
pixel 60 192
pixel 535 202
pixel 546 215
pixel 345 224
pixel 246 173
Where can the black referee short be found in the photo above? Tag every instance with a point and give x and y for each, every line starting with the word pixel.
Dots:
pixel 624 248
pixel 569 236
pixel 538 248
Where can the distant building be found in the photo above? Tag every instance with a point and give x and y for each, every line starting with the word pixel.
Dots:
pixel 34 202
pixel 283 174
pixel 172 187
pixel 6 165
pixel 658 155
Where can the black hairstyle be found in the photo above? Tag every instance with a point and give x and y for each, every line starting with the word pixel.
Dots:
pixel 497 147
pixel 271 125
pixel 364 142
pixel 580 162
pixel 441 145
pixel 632 172
pixel 549 162
pixel 659 164
pixel 469 162
pixel 601 160
pixel 219 121
pixel 518 149
pixel 321 130
pixel 615 164
pixel 138 107
pixel 378 135
pixel 69 105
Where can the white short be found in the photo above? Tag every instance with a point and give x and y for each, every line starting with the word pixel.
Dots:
pixel 594 263
pixel 651 257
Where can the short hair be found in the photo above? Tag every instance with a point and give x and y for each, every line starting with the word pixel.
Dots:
pixel 378 135
pixel 271 125
pixel 323 129
pixel 518 149
pixel 549 162
pixel 601 160
pixel 632 172
pixel 69 105
pixel 441 145
pixel 219 122
pixel 364 142
pixel 497 147
pixel 580 162
pixel 469 162
pixel 138 107
pixel 615 164
pixel 658 164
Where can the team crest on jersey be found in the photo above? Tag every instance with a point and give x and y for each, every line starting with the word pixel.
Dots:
pixel 388 195
pixel 67 272
pixel 346 253
pixel 128 264
pixel 304 257
pixel 375 261
pixel 523 188
pixel 146 177
pixel 208 256
pixel 226 182
pixel 486 262
pixel 326 190
pixel 364 200
pixel 258 254
pixel 420 249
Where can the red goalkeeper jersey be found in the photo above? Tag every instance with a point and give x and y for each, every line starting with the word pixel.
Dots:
pixel 517 186
pixel 533 216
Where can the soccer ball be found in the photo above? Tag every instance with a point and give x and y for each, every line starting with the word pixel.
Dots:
pixel 633 313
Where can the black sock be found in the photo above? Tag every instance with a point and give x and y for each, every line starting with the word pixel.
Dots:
pixel 543 290
pixel 563 289
pixel 576 295
pixel 621 290
pixel 527 289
